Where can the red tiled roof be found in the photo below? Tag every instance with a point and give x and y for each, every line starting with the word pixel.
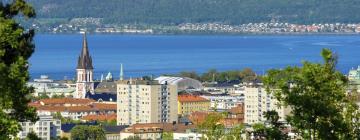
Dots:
pixel 104 117
pixel 239 109
pixel 104 106
pixel 191 98
pixel 66 101
pixel 82 108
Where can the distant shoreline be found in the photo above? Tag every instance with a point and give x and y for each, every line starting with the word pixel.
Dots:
pixel 207 34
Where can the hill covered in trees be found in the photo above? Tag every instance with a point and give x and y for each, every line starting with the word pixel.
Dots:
pixel 170 12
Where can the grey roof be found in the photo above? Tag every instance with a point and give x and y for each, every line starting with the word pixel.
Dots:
pixel 85 60
pixel 107 87
pixel 114 129
pixel 108 97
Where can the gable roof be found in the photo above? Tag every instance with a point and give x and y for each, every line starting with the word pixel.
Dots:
pixel 114 129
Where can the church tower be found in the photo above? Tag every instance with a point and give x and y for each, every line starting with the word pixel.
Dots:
pixel 84 72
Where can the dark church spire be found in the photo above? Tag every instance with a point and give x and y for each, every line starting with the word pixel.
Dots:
pixel 85 60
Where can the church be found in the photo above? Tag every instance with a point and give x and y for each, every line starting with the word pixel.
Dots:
pixel 84 72
pixel 86 86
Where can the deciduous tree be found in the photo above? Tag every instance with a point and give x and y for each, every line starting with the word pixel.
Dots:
pixel 83 132
pixel 317 96
pixel 16 47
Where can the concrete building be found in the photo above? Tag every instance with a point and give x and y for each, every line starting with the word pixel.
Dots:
pixel 191 103
pixel 257 101
pixel 221 102
pixel 45 128
pixel 45 85
pixel 84 72
pixel 142 101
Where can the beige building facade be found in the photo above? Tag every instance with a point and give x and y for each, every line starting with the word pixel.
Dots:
pixel 142 101
pixel 257 101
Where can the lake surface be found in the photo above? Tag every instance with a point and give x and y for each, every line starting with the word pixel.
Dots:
pixel 56 55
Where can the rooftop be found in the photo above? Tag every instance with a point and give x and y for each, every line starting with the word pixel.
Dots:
pixel 102 97
pixel 191 98
pixel 138 82
pixel 56 101
pixel 103 117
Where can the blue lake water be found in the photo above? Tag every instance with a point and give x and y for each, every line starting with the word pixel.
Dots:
pixel 56 55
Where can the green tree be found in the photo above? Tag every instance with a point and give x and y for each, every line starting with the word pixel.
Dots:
pixel 248 75
pixel 316 93
pixel 16 48
pixel 79 132
pixel 259 130
pixel 273 130
pixel 96 133
pixel 84 132
pixel 167 136
pixel 108 123
pixel 43 95
pixel 211 127
pixel 133 138
pixel 235 133
pixel 58 96
pixel 191 74
pixel 210 76
pixel 32 136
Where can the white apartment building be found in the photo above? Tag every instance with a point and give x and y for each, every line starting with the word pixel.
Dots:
pixel 222 103
pixel 45 128
pixel 141 101
pixel 46 85
pixel 257 102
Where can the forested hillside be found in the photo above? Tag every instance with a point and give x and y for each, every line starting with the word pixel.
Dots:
pixel 197 11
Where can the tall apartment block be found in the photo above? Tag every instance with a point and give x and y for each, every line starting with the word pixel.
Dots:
pixel 257 101
pixel 145 101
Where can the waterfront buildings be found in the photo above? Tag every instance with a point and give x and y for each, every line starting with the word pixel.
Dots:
pixel 191 103
pixel 84 72
pixel 45 128
pixel 145 101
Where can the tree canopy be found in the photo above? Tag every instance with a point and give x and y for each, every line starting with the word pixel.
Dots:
pixel 316 93
pixel 84 132
pixel 16 46
pixel 212 75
